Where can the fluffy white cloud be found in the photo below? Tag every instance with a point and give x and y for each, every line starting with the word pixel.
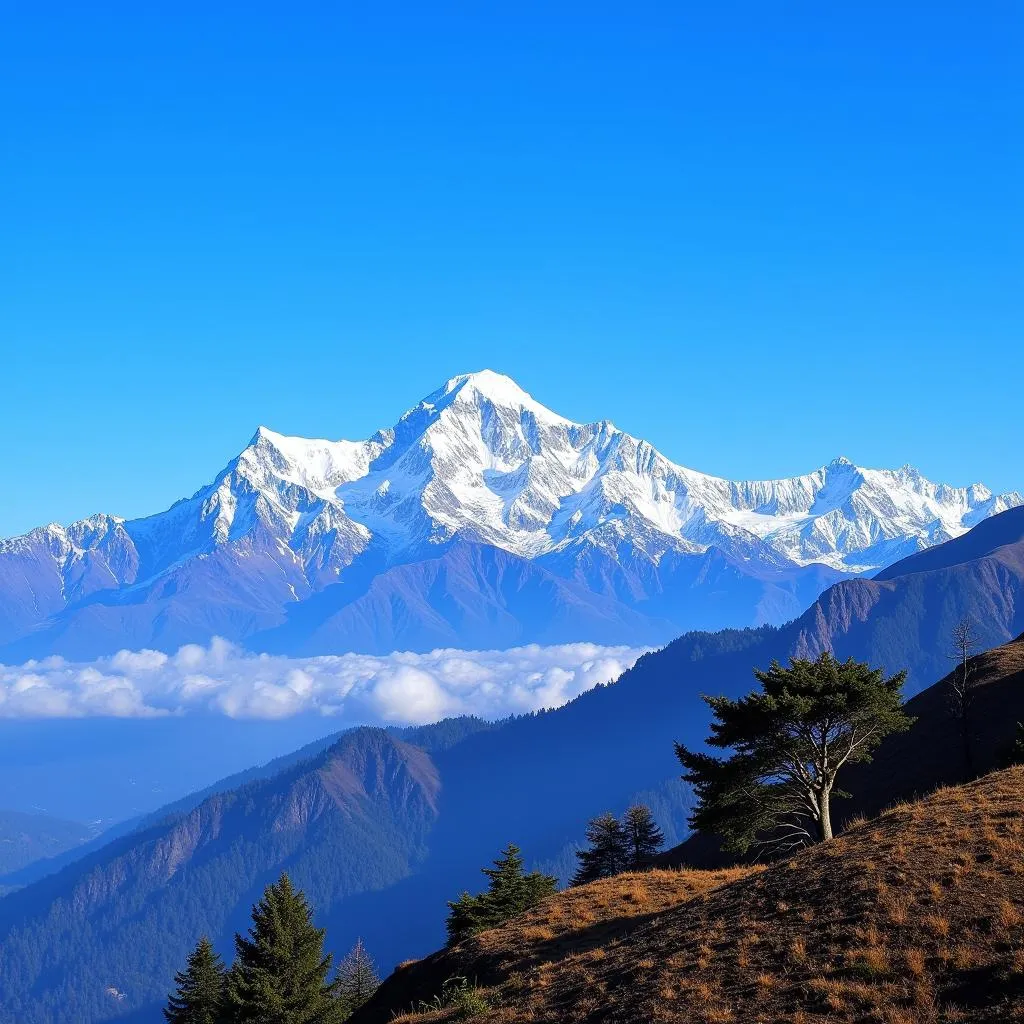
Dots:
pixel 399 688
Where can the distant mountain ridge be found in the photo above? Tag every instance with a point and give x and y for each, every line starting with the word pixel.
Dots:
pixel 352 818
pixel 25 838
pixel 436 531
pixel 381 828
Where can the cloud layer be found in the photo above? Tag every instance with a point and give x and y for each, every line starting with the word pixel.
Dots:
pixel 400 688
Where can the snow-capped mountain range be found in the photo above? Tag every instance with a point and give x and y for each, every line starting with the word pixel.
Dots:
pixel 480 519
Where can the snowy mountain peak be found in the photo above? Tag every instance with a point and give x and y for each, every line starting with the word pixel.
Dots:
pixel 487 388
pixel 498 387
pixel 481 460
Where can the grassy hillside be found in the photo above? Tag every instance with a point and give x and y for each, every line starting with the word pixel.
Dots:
pixel 914 917
pixel 534 780
pixel 931 753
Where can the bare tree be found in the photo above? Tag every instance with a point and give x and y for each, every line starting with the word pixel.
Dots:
pixel 960 688
pixel 357 978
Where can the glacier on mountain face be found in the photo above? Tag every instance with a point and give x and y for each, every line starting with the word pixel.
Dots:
pixel 480 518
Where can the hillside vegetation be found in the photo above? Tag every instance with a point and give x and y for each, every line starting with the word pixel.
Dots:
pixel 408 826
pixel 25 838
pixel 914 917
pixel 114 927
pixel 911 764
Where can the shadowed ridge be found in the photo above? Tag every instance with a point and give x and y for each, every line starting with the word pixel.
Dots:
pixel 911 764
pixel 912 917
pixel 988 538
pixel 352 819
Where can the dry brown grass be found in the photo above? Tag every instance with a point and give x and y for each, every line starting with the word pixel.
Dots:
pixel 915 962
pixel 1008 916
pixel 918 920
pixel 871 960
pixel 937 924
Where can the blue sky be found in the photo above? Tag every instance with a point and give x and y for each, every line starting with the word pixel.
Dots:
pixel 759 235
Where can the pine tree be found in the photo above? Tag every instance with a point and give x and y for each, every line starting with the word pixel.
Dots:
pixel 200 989
pixel 643 837
pixel 789 741
pixel 510 892
pixel 280 971
pixel 468 915
pixel 357 978
pixel 608 853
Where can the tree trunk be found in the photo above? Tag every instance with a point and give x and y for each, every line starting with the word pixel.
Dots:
pixel 825 822
pixel 965 729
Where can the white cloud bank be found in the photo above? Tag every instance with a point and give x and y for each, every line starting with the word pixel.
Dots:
pixel 398 688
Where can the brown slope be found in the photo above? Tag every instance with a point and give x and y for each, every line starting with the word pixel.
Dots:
pixel 903 618
pixel 914 918
pixel 930 754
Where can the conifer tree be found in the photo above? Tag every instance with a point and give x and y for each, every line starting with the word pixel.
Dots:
pixel 468 915
pixel 357 978
pixel 608 853
pixel 643 837
pixel 789 741
pixel 280 971
pixel 510 892
pixel 199 998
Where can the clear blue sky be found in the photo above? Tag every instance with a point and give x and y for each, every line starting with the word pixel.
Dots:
pixel 759 235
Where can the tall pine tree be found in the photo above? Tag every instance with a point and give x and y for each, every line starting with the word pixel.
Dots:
pixel 510 892
pixel 643 837
pixel 789 739
pixel 513 890
pixel 199 998
pixel 357 978
pixel 608 853
pixel 280 971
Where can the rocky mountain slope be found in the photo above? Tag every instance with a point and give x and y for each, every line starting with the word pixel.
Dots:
pixel 102 936
pixel 903 617
pixel 533 780
pixel 480 519
pixel 910 918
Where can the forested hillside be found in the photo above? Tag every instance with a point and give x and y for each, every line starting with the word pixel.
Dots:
pixel 379 859
pixel 25 838
pixel 108 934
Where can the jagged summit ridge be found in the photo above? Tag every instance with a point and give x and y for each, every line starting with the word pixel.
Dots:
pixel 482 462
pixel 480 458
